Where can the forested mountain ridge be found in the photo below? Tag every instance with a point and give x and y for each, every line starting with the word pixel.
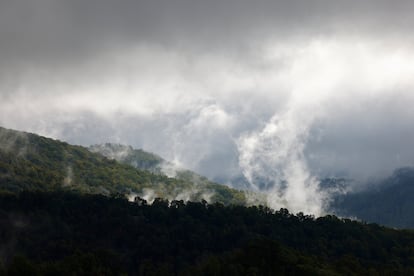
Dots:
pixel 32 162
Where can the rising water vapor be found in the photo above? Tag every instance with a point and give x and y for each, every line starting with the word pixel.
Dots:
pixel 321 78
pixel 272 160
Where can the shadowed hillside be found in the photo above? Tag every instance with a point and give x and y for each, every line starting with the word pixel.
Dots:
pixel 389 202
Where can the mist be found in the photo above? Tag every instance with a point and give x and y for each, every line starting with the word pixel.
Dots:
pixel 279 94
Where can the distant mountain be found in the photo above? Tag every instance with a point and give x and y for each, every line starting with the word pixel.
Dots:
pixel 390 202
pixel 143 160
pixel 32 162
pixel 126 154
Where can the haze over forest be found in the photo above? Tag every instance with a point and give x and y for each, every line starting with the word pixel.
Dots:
pixel 279 93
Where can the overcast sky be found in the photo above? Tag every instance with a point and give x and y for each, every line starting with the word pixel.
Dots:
pixel 269 89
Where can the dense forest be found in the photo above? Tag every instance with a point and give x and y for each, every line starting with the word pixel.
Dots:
pixel 68 233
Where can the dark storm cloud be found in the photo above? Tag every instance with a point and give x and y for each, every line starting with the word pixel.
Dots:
pixel 54 35
pixel 368 141
pixel 62 29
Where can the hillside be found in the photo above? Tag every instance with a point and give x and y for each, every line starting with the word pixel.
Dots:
pixel 32 162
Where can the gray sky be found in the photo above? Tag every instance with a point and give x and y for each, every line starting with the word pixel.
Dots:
pixel 261 88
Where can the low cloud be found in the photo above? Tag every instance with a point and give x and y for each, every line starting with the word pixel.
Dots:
pixel 280 93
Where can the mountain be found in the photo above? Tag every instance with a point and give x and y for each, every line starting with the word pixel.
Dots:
pixel 389 202
pixel 143 160
pixel 32 162
pixel 126 154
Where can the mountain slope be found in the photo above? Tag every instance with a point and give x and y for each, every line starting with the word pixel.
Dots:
pixel 390 202
pixel 32 162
